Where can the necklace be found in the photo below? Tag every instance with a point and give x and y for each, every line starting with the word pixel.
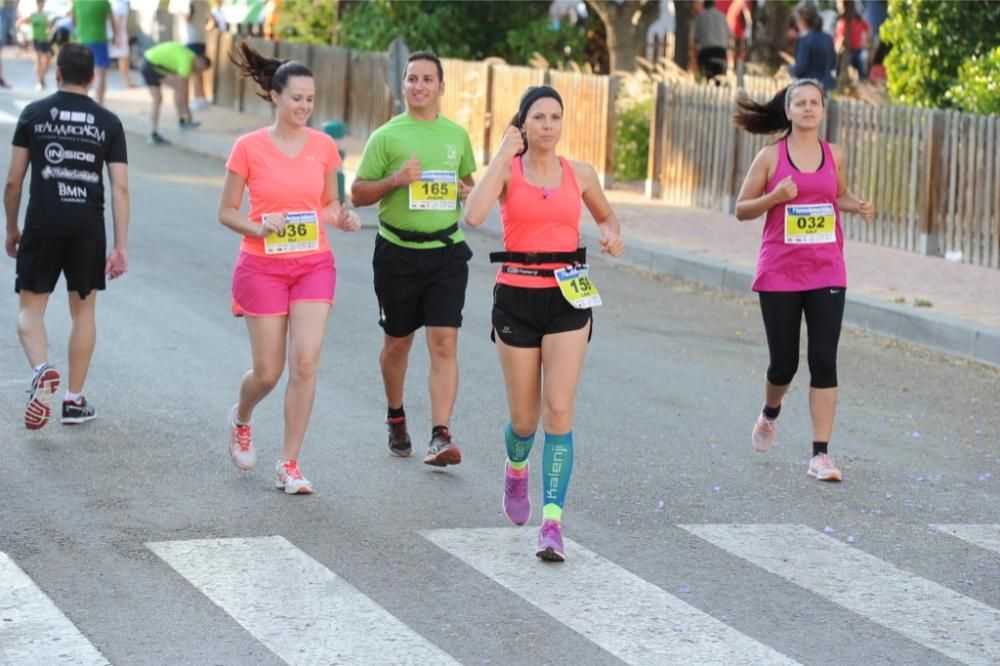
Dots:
pixel 528 178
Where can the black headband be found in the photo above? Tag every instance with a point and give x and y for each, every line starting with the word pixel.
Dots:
pixel 532 96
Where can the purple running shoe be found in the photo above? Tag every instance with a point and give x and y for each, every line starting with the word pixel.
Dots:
pixel 550 545
pixel 516 504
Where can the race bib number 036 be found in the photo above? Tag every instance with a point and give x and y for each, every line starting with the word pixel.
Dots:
pixel 301 232
pixel 810 223
pixel 576 287
pixel 436 190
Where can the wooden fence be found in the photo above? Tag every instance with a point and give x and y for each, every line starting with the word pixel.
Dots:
pixel 933 175
pixel 480 96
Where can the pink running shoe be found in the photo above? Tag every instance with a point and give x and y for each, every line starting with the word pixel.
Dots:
pixel 550 543
pixel 823 467
pixel 516 503
pixel 290 479
pixel 241 443
pixel 764 432
pixel 38 411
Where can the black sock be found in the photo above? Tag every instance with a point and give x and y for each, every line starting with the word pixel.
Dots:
pixel 819 447
pixel 438 429
pixel 395 412
pixel 771 413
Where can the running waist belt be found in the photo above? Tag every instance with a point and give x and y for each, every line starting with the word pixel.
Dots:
pixel 577 256
pixel 442 235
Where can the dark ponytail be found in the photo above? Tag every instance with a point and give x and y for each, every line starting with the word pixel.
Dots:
pixel 770 117
pixel 268 73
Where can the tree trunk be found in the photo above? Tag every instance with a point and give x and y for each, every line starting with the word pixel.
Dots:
pixel 770 35
pixel 625 23
pixel 682 43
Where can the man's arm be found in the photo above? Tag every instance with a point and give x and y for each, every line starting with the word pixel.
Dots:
pixel 368 192
pixel 120 208
pixel 12 196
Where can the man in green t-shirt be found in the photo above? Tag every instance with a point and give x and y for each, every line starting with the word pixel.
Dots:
pixel 173 63
pixel 90 21
pixel 419 167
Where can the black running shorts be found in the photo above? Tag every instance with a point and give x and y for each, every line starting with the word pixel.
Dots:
pixel 419 287
pixel 522 316
pixel 41 259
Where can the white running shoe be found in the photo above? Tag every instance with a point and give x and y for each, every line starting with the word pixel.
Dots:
pixel 241 443
pixel 823 467
pixel 764 432
pixel 200 104
pixel 290 479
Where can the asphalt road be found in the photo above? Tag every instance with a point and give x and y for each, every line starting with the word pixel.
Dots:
pixel 670 562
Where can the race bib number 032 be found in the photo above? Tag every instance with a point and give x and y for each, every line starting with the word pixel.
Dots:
pixel 436 190
pixel 301 233
pixel 576 287
pixel 810 223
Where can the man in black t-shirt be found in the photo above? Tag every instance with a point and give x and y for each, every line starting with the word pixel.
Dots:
pixel 66 138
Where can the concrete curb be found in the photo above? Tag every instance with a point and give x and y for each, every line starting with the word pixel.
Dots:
pixel 902 323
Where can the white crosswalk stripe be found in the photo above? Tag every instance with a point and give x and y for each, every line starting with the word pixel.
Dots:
pixel 295 606
pixel 634 620
pixel 928 613
pixel 33 631
pixel 984 536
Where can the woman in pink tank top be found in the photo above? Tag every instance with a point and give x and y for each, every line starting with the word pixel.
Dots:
pixel 543 298
pixel 798 183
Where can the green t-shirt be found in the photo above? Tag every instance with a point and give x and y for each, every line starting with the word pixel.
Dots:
pixel 172 57
pixel 441 146
pixel 39 27
pixel 90 19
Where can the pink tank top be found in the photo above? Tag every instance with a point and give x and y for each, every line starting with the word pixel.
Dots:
pixel 539 219
pixel 797 253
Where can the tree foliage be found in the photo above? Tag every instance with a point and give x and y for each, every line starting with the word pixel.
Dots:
pixel 466 30
pixel 308 21
pixel 978 87
pixel 931 39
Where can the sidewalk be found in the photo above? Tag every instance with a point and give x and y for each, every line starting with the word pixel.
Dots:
pixel 708 248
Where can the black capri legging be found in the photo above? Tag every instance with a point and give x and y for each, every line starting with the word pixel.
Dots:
pixel 782 311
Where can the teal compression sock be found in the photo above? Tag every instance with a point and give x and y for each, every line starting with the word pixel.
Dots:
pixel 557 465
pixel 518 448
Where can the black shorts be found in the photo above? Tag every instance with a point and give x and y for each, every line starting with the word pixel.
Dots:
pixel 197 47
pixel 522 316
pixel 419 287
pixel 150 74
pixel 40 260
pixel 42 46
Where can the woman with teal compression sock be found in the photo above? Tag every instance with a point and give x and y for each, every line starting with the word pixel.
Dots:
pixel 543 298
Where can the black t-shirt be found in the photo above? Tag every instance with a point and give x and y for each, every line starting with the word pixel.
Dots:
pixel 69 138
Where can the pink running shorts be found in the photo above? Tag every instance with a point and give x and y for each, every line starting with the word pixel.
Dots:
pixel 265 287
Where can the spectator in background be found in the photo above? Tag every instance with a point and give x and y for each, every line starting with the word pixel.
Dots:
pixel 171 63
pixel 39 22
pixel 853 37
pixel 711 41
pixel 8 15
pixel 190 17
pixel 91 18
pixel 120 50
pixel 815 55
pixel 217 18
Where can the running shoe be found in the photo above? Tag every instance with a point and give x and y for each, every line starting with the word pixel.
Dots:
pixel 290 479
pixel 38 411
pixel 442 451
pixel 77 411
pixel 157 139
pixel 764 432
pixel 823 467
pixel 241 443
pixel 550 545
pixel 399 438
pixel 199 104
pixel 516 503
pixel 188 123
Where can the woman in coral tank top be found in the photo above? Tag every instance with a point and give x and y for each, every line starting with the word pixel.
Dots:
pixel 543 298
pixel 799 183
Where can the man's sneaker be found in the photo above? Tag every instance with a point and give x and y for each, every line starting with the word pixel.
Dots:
pixel 399 438
pixel 442 451
pixel 290 479
pixel 241 443
pixel 38 411
pixel 516 503
pixel 79 411
pixel 188 123
pixel 156 139
pixel 550 545
pixel 764 432
pixel 823 467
